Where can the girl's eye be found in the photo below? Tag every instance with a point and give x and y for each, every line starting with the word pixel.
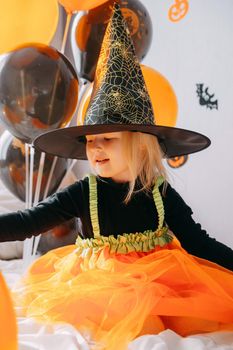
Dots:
pixel 89 141
pixel 108 139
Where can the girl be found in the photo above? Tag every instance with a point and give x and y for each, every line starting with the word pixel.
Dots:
pixel 140 264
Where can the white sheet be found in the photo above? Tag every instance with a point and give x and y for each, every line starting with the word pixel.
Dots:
pixel 34 336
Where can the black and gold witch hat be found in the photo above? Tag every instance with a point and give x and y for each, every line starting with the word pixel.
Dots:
pixel 119 102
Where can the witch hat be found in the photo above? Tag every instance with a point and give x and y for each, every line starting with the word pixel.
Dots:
pixel 119 102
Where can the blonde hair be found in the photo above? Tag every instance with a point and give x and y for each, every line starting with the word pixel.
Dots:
pixel 144 158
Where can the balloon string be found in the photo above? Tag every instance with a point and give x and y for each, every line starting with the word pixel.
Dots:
pixel 22 80
pixel 26 176
pixel 35 243
pixel 67 172
pixel 29 160
pixel 26 243
pixel 65 35
pixel 32 154
pixel 35 240
pixel 39 178
pixel 50 177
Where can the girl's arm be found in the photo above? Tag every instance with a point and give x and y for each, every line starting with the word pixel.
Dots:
pixel 193 238
pixel 55 210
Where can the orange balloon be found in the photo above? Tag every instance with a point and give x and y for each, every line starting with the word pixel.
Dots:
pixel 72 6
pixel 8 328
pixel 162 96
pixel 25 22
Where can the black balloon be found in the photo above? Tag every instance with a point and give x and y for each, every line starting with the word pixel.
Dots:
pixel 90 28
pixel 12 168
pixel 59 236
pixel 38 91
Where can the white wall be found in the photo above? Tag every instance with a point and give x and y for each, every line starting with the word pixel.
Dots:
pixel 199 49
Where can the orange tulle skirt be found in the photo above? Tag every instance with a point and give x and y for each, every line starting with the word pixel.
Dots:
pixel 112 299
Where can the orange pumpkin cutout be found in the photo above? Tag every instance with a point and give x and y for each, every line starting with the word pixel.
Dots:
pixel 178 10
pixel 8 328
pixel 177 162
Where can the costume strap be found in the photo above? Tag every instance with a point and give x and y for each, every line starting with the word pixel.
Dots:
pixel 159 203
pixel 93 204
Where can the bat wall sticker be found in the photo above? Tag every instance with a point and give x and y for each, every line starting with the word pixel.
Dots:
pixel 205 98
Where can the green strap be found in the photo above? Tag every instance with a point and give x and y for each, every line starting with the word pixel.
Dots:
pixel 159 203
pixel 93 204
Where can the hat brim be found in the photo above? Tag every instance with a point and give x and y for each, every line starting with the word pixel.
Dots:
pixel 70 143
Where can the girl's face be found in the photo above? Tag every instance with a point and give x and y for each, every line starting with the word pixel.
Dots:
pixel 106 156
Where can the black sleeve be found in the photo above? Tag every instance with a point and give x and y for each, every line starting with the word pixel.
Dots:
pixel 53 211
pixel 195 240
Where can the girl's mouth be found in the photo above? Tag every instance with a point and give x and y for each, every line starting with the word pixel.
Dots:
pixel 102 161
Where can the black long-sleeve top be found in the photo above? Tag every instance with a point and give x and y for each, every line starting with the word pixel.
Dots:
pixel 115 217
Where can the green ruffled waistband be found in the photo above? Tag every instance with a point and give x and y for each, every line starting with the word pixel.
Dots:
pixel 127 242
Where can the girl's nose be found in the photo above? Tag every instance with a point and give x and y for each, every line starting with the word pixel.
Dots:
pixel 97 144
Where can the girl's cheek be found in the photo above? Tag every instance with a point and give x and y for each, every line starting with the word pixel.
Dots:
pixel 88 148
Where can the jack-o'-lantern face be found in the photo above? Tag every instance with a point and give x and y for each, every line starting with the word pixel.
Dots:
pixel 178 10
pixel 177 162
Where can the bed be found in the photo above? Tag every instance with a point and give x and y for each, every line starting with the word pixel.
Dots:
pixel 34 336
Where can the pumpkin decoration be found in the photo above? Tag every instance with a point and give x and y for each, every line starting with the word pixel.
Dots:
pixel 178 10
pixel 177 162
